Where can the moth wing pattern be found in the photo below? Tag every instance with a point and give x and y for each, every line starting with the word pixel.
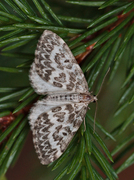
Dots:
pixel 39 107
pixel 40 86
pixel 55 64
pixel 53 130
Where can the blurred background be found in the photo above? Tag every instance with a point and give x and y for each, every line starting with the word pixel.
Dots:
pixel 28 167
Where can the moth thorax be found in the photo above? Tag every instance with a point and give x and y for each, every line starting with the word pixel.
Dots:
pixel 87 98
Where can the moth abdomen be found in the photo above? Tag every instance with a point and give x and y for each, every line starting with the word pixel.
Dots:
pixel 87 98
pixel 63 97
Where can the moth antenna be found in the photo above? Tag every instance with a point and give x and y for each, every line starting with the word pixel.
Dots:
pixel 84 125
pixel 103 81
pixel 97 95
pixel 95 116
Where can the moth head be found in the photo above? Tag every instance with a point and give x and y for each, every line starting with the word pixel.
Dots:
pixel 94 99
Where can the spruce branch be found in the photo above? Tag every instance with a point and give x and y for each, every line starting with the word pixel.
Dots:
pixel 98 42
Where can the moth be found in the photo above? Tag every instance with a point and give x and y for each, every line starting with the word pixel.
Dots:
pixel 56 118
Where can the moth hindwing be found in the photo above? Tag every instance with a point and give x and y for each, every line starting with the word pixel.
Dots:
pixel 55 119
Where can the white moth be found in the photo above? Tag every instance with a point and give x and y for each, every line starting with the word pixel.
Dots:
pixel 55 119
